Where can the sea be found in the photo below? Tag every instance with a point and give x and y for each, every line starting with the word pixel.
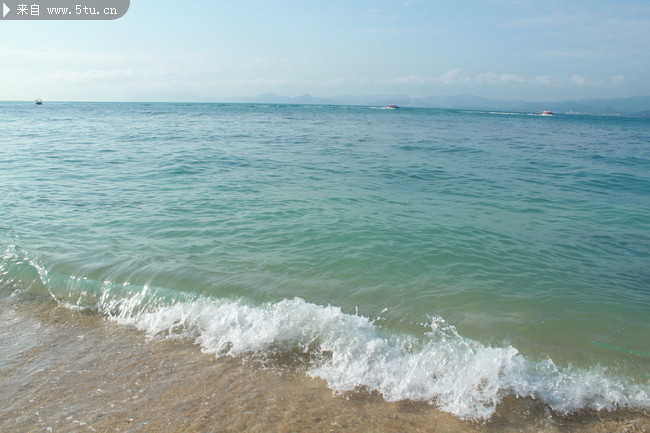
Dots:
pixel 260 267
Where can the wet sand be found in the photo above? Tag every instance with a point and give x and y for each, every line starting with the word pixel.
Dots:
pixel 66 371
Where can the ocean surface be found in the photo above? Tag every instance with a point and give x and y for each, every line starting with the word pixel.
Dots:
pixel 453 258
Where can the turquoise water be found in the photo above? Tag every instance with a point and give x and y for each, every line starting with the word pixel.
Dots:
pixel 447 256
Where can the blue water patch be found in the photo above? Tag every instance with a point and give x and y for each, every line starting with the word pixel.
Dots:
pixel 518 232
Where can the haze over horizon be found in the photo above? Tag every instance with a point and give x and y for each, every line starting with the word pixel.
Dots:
pixel 189 51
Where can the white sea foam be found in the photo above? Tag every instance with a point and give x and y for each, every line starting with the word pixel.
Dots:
pixel 350 352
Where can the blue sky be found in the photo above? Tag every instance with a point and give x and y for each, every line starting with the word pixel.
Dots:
pixel 188 50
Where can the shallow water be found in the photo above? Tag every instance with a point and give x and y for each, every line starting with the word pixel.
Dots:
pixel 461 259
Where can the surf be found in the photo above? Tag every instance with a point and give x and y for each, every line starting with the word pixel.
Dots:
pixel 350 352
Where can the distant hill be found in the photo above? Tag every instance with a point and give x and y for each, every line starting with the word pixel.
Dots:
pixel 272 98
pixel 635 106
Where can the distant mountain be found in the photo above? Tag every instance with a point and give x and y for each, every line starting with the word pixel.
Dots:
pixel 272 98
pixel 627 105
pixel 374 100
pixel 635 106
pixel 465 101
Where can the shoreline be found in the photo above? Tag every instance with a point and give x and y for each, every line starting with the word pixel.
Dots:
pixel 67 371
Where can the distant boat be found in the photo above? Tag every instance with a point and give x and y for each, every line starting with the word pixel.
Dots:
pixel 39 101
pixel 547 113
pixel 392 106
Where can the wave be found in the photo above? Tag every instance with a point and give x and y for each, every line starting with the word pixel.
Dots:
pixel 350 352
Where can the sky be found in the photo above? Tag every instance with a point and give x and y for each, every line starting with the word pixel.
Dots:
pixel 197 50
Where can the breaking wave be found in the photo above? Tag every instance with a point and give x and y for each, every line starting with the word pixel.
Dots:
pixel 456 374
pixel 351 352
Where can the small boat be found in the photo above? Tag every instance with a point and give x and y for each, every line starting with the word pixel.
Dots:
pixel 39 101
pixel 392 106
pixel 547 113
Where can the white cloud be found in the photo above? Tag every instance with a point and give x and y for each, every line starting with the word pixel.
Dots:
pixel 448 77
pixel 334 81
pixel 265 63
pixel 411 79
pixel 108 74
pixel 492 78
pixel 456 76
pixel 452 76
pixel 547 80
pixel 577 79
pixel 409 3
pixel 618 78
pixel 581 81
pixel 48 55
